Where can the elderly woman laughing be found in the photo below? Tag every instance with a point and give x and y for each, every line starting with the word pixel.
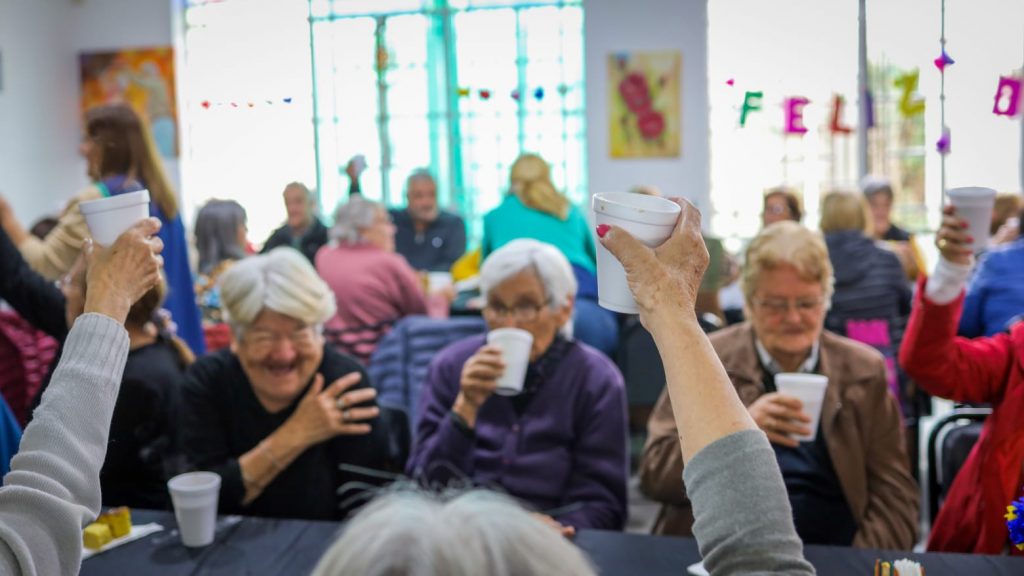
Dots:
pixel 277 413
pixel 559 445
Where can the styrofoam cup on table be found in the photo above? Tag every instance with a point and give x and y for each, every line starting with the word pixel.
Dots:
pixel 195 496
pixel 974 204
pixel 108 218
pixel 515 345
pixel 649 218
pixel 809 389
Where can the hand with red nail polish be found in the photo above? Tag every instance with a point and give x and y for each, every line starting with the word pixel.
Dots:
pixel 664 280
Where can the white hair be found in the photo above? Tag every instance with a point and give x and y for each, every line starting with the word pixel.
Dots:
pixel 351 217
pixel 281 280
pixel 415 533
pixel 551 266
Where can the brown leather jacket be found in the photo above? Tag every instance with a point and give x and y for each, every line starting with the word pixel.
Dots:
pixel 862 429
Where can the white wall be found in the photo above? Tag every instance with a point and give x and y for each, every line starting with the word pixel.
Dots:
pixel 39 103
pixel 615 26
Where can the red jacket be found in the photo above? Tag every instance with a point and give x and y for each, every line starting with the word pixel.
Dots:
pixel 972 370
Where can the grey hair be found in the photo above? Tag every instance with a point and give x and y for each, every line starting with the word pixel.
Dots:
pixel 281 280
pixel 216 231
pixel 551 266
pixel 351 217
pixel 300 186
pixel 419 174
pixel 415 533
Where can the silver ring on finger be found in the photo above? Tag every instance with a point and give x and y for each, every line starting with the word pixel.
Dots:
pixel 340 402
pixel 344 416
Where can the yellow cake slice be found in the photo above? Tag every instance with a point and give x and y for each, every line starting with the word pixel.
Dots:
pixel 119 520
pixel 96 535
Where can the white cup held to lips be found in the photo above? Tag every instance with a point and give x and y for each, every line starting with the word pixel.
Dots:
pixel 515 345
pixel 195 496
pixel 108 218
pixel 974 204
pixel 649 218
pixel 809 389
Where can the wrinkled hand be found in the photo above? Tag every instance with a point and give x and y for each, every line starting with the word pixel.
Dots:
pixel 565 531
pixel 116 277
pixel 480 376
pixel 780 416
pixel 323 413
pixel 952 239
pixel 664 280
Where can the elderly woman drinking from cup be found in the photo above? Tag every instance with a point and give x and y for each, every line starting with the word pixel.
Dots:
pixel 559 444
pixel 849 483
pixel 278 413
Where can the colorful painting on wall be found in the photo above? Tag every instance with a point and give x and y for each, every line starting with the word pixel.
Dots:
pixel 143 78
pixel 643 104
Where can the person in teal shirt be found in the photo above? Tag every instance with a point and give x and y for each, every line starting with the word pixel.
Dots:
pixel 535 209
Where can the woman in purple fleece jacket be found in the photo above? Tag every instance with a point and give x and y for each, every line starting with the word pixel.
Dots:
pixel 559 446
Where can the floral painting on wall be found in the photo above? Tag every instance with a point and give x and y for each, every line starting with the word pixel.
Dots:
pixel 143 78
pixel 645 115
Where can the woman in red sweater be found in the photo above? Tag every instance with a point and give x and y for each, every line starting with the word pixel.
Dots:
pixel 969 370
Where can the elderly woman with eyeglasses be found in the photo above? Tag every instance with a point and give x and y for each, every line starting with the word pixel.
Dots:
pixel 278 413
pixel 560 445
pixel 851 485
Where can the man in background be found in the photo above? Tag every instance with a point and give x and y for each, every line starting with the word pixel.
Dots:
pixel 431 239
pixel 303 230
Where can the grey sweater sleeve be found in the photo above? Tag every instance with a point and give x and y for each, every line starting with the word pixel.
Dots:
pixel 53 488
pixel 742 519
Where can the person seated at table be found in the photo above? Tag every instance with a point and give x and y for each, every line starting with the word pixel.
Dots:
pixel 431 239
pixel 852 484
pixel 144 447
pixel 869 281
pixel 469 533
pixel 980 370
pixel 220 231
pixel 53 488
pixel 560 445
pixel 373 287
pixel 303 230
pixel 534 208
pixel 277 413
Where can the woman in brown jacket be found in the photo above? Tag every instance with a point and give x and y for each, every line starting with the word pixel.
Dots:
pixel 852 484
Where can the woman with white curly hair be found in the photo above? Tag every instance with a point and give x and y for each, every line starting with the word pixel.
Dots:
pixel 277 413
pixel 560 444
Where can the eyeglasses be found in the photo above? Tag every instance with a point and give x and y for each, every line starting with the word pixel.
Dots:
pixel 262 341
pixel 519 312
pixel 779 306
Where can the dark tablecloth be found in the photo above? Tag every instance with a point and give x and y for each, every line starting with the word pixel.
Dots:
pixel 265 546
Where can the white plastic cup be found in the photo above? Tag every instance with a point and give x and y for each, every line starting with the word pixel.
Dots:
pixel 515 345
pixel 974 204
pixel 108 218
pixel 195 496
pixel 809 389
pixel 649 218
pixel 437 281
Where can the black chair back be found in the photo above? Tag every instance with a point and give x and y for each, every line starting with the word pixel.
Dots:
pixel 949 444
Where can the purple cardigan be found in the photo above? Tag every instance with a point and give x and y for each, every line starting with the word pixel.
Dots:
pixel 567 451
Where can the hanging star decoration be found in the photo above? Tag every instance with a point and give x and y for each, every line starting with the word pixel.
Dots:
pixel 539 94
pixel 944 60
pixel 515 95
pixel 485 94
pixel 463 92
pixel 731 81
pixel 208 104
pixel 945 142
pixel 1015 522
